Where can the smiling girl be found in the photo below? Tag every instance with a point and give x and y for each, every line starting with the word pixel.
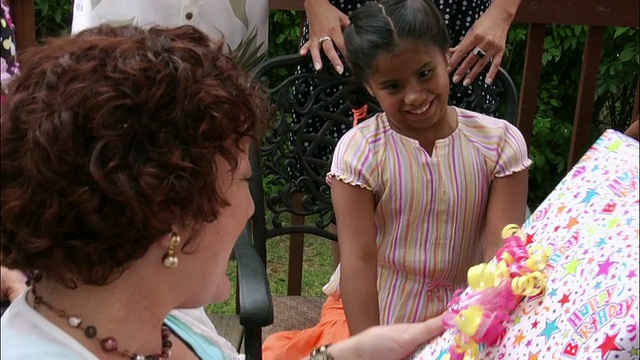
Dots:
pixel 420 191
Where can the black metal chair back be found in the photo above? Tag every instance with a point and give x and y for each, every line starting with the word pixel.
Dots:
pixel 291 162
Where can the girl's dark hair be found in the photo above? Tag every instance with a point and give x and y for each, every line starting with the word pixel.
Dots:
pixel 380 27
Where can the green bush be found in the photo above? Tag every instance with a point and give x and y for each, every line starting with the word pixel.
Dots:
pixel 557 95
pixel 53 18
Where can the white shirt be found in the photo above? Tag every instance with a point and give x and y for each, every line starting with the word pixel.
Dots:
pixel 27 335
pixel 232 18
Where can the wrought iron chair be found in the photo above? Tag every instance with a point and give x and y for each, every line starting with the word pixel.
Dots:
pixel 288 161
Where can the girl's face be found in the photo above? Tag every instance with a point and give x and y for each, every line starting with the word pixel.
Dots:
pixel 411 84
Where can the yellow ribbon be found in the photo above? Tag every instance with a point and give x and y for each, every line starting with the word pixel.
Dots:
pixel 468 320
pixel 470 349
pixel 511 230
pixel 529 284
pixel 487 275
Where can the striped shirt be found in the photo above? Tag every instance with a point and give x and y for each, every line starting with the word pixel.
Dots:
pixel 430 210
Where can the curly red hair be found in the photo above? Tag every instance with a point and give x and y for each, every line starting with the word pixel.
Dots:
pixel 108 131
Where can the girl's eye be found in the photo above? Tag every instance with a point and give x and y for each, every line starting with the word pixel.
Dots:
pixel 424 73
pixel 392 87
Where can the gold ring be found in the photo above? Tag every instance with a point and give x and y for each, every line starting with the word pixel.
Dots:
pixel 323 39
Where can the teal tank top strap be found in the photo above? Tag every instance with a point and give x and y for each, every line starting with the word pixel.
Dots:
pixel 202 347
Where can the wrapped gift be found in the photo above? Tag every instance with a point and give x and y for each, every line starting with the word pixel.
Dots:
pixel 589 226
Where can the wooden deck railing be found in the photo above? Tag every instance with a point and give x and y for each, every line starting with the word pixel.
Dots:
pixel 597 14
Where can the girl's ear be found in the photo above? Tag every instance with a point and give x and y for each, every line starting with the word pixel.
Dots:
pixel 369 89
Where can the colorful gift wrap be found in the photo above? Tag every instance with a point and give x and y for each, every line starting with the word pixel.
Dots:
pixel 589 226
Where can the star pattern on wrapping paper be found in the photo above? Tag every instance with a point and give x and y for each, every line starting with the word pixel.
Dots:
pixel 613 222
pixel 591 193
pixel 550 329
pixel 602 242
pixel 571 223
pixel 598 285
pixel 565 334
pixel 519 337
pixel 609 344
pixel 604 267
pixel 535 324
pixel 517 319
pixel 565 299
pixel 572 266
pixel 635 351
pixel 533 356
pixel 631 274
pixel 591 260
pixel 615 145
pixel 561 209
pixel 528 343
pixel 553 292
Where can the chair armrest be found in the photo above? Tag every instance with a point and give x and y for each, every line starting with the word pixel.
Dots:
pixel 255 307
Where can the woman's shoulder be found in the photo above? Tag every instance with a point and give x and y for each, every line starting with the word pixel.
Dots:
pixel 21 325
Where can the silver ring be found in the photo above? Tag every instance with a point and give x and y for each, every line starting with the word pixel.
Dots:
pixel 323 39
pixel 479 53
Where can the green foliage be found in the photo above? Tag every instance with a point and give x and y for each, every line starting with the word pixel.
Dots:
pixel 557 94
pixel 53 18
pixel 284 32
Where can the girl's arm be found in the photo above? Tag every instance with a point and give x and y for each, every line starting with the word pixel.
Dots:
pixel 507 203
pixel 354 209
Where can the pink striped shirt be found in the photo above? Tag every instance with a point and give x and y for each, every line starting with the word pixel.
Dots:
pixel 429 210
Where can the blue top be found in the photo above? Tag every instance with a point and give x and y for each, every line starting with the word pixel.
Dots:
pixel 202 347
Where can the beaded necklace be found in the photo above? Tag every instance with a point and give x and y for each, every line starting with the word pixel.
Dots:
pixel 108 344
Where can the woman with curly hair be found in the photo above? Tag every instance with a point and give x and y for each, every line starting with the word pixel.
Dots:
pixel 124 188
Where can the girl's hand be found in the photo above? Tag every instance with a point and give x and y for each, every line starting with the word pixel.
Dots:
pixel 13 283
pixel 324 21
pixel 388 342
pixel 483 43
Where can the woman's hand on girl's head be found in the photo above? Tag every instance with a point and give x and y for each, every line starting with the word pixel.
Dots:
pixel 484 43
pixel 324 21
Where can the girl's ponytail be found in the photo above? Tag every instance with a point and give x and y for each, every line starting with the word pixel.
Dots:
pixel 358 98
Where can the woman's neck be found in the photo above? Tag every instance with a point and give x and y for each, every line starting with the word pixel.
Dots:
pixel 128 310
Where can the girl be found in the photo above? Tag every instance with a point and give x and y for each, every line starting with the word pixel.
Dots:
pixel 420 191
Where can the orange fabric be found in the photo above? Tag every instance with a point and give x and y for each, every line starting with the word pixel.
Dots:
pixel 359 114
pixel 298 344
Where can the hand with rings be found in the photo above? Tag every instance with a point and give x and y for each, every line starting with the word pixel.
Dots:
pixel 326 24
pixel 484 43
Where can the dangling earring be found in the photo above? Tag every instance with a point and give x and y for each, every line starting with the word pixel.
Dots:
pixel 170 260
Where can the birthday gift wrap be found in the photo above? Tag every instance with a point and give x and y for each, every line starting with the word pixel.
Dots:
pixel 588 229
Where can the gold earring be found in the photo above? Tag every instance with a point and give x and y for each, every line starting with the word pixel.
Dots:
pixel 170 260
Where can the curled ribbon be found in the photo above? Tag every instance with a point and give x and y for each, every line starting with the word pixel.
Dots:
pixel 495 289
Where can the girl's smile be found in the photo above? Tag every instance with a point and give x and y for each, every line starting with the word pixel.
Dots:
pixel 412 85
